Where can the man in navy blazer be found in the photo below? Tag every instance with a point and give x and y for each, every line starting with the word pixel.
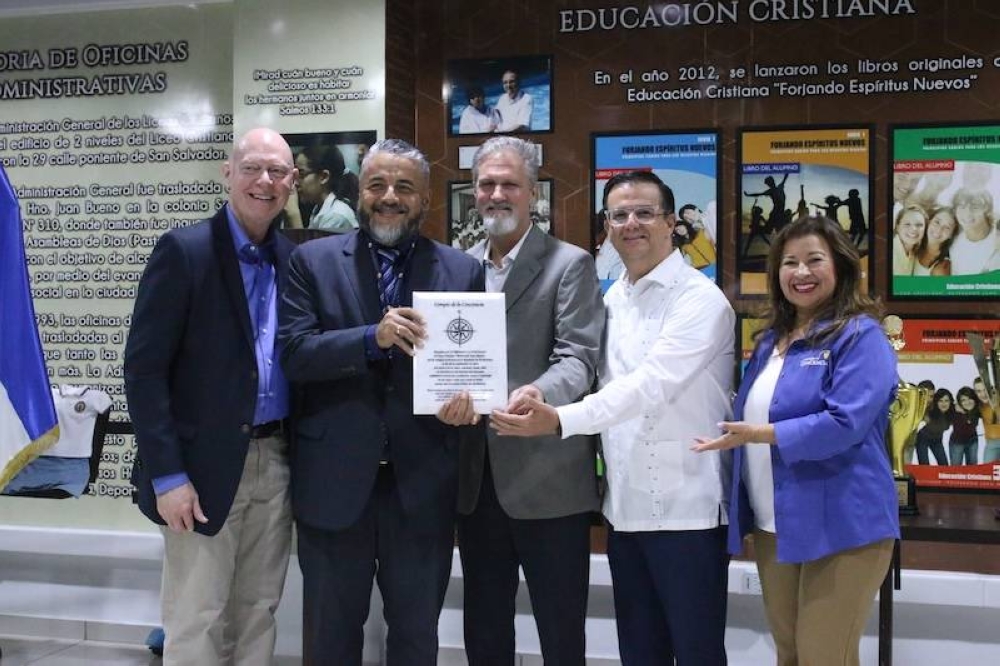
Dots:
pixel 209 404
pixel 373 486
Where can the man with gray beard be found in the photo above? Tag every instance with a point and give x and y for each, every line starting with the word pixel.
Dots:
pixel 373 486
pixel 527 502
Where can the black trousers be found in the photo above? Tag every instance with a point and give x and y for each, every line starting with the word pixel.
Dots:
pixel 671 591
pixel 555 556
pixel 338 567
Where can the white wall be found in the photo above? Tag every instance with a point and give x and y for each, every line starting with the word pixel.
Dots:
pixel 104 585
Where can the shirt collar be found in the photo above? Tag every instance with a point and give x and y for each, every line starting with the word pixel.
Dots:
pixel 403 249
pixel 664 273
pixel 511 256
pixel 245 247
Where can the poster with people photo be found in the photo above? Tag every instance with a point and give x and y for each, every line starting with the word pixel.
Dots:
pixel 785 173
pixel 957 360
pixel 499 95
pixel 326 194
pixel 465 224
pixel 944 205
pixel 688 162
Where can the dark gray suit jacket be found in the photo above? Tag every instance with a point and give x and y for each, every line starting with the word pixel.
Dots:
pixel 555 320
pixel 348 408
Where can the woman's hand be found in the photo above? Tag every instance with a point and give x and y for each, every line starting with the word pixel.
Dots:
pixel 735 433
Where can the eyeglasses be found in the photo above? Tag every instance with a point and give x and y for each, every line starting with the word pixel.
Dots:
pixel 273 172
pixel 971 205
pixel 619 217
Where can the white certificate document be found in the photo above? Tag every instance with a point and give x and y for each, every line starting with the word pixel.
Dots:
pixel 465 350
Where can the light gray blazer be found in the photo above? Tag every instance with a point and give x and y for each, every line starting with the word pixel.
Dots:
pixel 555 320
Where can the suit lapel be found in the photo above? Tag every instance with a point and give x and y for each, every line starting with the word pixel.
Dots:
pixel 526 267
pixel 423 270
pixel 225 253
pixel 359 272
pixel 282 251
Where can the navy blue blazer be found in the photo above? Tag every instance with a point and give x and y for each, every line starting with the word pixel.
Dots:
pixel 348 407
pixel 190 369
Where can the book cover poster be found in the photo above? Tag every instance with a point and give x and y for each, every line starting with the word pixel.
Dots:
pixel 957 361
pixel 688 162
pixel 944 205
pixel 787 173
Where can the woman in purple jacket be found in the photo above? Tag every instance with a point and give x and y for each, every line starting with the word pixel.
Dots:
pixel 811 476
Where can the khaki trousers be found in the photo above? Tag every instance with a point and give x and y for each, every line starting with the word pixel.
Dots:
pixel 220 593
pixel 817 610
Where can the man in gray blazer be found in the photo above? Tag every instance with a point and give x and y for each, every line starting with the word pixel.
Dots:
pixel 527 502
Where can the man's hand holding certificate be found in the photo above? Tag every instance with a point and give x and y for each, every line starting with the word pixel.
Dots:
pixel 465 351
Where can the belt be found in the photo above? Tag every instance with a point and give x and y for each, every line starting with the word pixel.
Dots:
pixel 269 429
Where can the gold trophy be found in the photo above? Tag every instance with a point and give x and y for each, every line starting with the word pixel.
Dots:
pixel 905 416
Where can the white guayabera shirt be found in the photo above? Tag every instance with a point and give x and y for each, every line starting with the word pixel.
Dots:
pixel 666 378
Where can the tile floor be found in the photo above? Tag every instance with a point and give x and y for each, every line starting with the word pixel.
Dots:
pixel 48 652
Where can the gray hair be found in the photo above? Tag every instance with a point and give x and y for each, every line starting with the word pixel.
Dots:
pixel 527 151
pixel 399 148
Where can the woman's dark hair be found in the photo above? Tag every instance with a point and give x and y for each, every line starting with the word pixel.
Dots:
pixel 325 157
pixel 968 392
pixel 934 412
pixel 685 208
pixel 847 301
pixel 680 239
pixel 956 229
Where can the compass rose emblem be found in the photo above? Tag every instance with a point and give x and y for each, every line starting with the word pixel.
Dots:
pixel 460 330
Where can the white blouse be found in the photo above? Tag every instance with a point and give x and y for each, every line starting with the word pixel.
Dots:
pixel 757 472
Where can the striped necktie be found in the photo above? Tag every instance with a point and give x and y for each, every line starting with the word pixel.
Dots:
pixel 388 281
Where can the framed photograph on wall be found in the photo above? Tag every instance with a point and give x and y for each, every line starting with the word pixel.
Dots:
pixel 499 95
pixel 944 206
pixel 958 361
pixel 785 173
pixel 688 162
pixel 329 165
pixel 465 226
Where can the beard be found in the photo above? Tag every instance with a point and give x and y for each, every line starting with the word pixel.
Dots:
pixel 500 222
pixel 386 234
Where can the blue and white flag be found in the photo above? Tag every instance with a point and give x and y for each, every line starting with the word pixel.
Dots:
pixel 28 424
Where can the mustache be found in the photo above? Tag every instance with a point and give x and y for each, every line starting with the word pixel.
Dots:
pixel 390 208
